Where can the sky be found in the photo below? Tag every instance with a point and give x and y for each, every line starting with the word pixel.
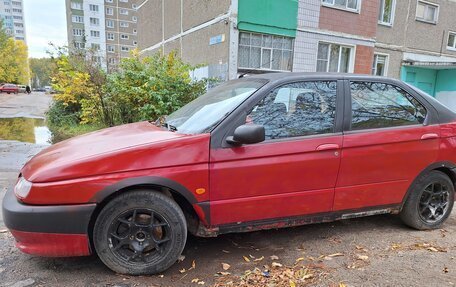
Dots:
pixel 45 21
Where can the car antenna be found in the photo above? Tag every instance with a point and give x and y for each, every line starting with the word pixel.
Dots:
pixel 245 74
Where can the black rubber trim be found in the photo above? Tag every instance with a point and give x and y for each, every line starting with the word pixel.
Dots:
pixel 65 219
pixel 147 181
pixel 306 219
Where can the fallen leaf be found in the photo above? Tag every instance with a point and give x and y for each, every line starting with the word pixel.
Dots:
pixel 195 280
pixel 362 257
pixel 396 246
pixel 201 283
pixel 251 256
pixel 445 270
pixel 276 264
pixel 335 255
pixel 259 259
pixel 226 266
pixel 225 251
pixel 299 259
pixel 161 276
pixel 182 270
pixel 292 284
pixel 342 285
pixel 221 273
pixel 274 257
pixel 246 258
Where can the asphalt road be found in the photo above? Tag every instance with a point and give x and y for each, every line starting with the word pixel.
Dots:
pixel 373 251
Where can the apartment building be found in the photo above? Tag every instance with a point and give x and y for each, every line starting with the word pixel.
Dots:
pixel 108 28
pixel 12 14
pixel 416 42
pixel 256 36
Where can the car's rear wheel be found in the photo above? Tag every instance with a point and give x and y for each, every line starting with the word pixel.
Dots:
pixel 140 232
pixel 430 201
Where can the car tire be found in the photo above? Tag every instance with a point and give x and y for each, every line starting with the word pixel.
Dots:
pixel 140 232
pixel 430 201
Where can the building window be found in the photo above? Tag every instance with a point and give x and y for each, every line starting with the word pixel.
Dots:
pixel 110 36
pixel 15 18
pixel 125 1
pixel 135 43
pixel 15 3
pixel 427 12
pixel 451 40
pixel 386 13
pixel 343 4
pixel 94 21
pixel 124 24
pixel 17 10
pixel 109 1
pixel 95 34
pixel 125 49
pixel 76 5
pixel 109 11
pixel 93 8
pixel 7 10
pixel 95 46
pixel 96 59
pixel 78 32
pixel 123 11
pixel 265 52
pixel 77 19
pixel 135 31
pixel 134 19
pixel 334 58
pixel 111 49
pixel 124 37
pixel 112 61
pixel 110 23
pixel 79 45
pixel 380 65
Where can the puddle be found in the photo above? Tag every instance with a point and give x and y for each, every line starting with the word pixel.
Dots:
pixel 25 130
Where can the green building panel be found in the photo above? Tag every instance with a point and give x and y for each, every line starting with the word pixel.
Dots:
pixel 277 17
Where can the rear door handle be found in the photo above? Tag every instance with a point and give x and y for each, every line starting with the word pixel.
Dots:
pixel 429 136
pixel 324 147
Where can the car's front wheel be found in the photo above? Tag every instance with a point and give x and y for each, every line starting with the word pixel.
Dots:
pixel 140 232
pixel 430 201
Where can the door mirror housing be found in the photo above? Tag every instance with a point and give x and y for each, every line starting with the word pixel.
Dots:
pixel 247 134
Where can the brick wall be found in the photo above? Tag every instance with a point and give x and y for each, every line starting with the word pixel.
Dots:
pixel 364 59
pixel 362 24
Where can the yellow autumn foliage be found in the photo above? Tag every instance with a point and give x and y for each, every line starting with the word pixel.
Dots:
pixel 14 66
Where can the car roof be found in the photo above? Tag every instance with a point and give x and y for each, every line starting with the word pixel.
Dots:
pixel 285 75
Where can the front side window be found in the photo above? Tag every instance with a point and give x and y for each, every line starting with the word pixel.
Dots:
pixel 93 8
pixel 379 105
pixel 380 65
pixel 94 21
pixel 265 52
pixel 297 109
pixel 344 4
pixel 386 13
pixel 206 111
pixel 110 23
pixel 427 12
pixel 451 40
pixel 334 58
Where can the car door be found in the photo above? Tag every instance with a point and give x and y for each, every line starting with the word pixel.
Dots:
pixel 387 143
pixel 294 171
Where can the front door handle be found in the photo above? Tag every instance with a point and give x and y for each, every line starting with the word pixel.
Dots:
pixel 324 147
pixel 429 136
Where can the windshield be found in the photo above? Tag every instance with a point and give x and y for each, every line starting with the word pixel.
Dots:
pixel 205 112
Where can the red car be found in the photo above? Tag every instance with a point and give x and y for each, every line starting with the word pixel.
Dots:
pixel 261 152
pixel 9 88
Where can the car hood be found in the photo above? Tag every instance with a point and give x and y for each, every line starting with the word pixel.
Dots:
pixel 123 148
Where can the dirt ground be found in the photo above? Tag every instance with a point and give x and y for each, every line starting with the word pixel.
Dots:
pixel 372 251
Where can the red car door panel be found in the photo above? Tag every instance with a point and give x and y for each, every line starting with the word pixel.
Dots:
pixel 294 171
pixel 379 164
pixel 271 180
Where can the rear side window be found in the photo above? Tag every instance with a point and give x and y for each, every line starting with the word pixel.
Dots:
pixel 379 105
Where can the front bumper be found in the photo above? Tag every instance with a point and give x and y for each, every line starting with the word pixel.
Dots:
pixel 52 231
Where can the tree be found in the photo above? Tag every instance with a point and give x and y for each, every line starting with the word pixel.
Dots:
pixel 41 70
pixel 14 64
pixel 149 87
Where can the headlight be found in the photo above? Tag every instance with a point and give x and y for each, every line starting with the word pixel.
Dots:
pixel 22 188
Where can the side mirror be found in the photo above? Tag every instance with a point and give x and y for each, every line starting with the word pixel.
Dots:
pixel 247 134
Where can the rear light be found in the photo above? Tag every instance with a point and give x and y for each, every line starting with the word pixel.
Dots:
pixel 22 188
